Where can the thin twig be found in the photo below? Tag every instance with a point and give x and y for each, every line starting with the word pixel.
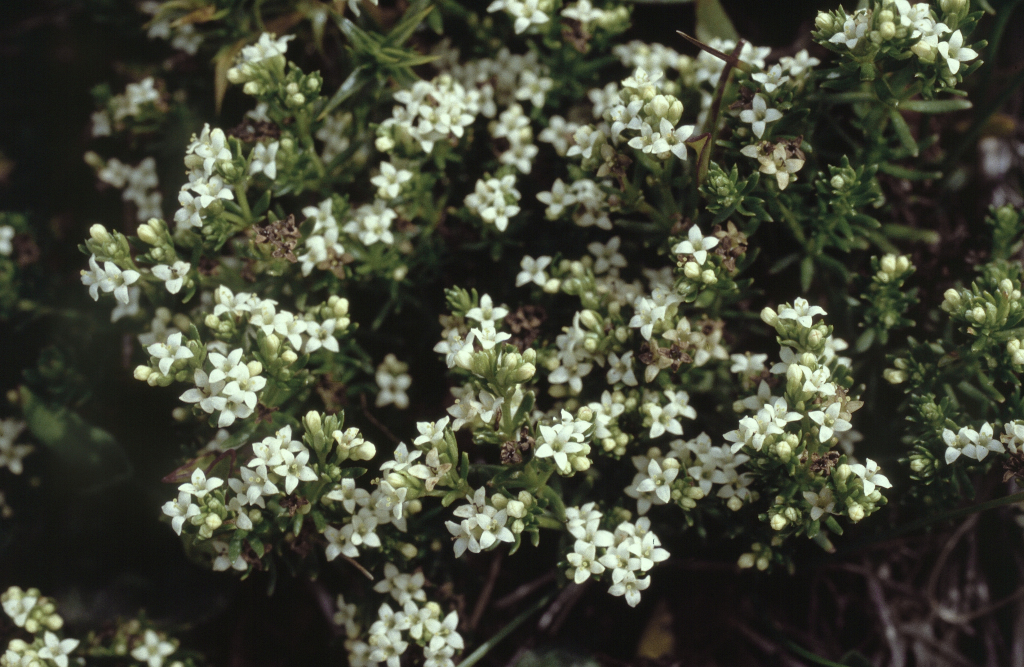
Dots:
pixel 897 650
pixel 482 650
pixel 485 594
pixel 940 562
pixel 569 595
pixel 524 591
pixel 373 420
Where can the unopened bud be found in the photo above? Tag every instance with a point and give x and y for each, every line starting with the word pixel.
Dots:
pixel 289 357
pixel 855 512
pixel 747 560
pixel 888 263
pixel 778 522
pixel 143 372
pixel 691 270
pixel 213 521
pixel 769 316
pixel 254 367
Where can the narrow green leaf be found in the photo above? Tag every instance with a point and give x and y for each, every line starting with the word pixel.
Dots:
pixel 712 21
pixel 806 273
pixel 702 145
pixel 97 460
pixel 403 29
pixel 355 81
pixel 903 132
pixel 936 106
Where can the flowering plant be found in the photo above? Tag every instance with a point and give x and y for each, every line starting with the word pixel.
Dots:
pixel 577 230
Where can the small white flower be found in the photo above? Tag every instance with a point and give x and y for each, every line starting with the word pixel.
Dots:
pixel 696 244
pixel 607 256
pixel 955 52
pixel 181 510
pixel 153 649
pixel 390 180
pixel 759 115
pixel 829 422
pixel 199 485
pixel 173 276
pixel 630 587
pixel 584 561
pixel 822 502
pixel 533 271
pixel 872 476
pixel 169 352
pixel 392 380
pixel 56 649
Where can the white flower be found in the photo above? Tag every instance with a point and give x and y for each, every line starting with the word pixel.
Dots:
pixel 6 234
pixel 269 46
pixel 18 608
pixel 771 79
pixel 658 481
pixel 199 486
pixel 486 313
pixel 389 181
pixel 393 380
pixel 822 502
pixel 264 159
pixel 696 244
pixel 525 12
pixel 181 510
pixel 629 586
pixel 607 256
pixel 759 115
pixel 294 469
pixel 533 271
pixel 253 485
pixel 173 276
pixel 829 421
pixel 431 433
pixel 349 495
pixel 872 476
pixel 584 561
pixel 620 369
pixel 557 200
pixel 559 440
pixel 955 52
pixel 321 336
pixel 169 352
pixel 57 650
pixel 801 311
pixel 153 649
pixel 205 393
pixel 854 28
pixel 972 444
pixel 647 314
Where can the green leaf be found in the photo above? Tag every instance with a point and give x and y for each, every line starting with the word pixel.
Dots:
pixel 903 132
pixel 806 273
pixel 257 545
pixel 404 29
pixel 865 340
pixel 855 659
pixel 355 81
pixel 935 106
pixel 702 145
pixel 96 459
pixel 352 472
pixel 261 205
pixel 319 520
pixel 712 21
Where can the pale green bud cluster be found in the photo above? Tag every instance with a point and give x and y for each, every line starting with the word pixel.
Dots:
pixel 30 610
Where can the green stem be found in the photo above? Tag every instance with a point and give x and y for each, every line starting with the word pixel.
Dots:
pixel 813 657
pixel 243 203
pixel 484 648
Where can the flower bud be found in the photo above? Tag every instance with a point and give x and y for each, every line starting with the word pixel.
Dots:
pixel 99 233
pixel 952 6
pixel 143 372
pixel 1018 357
pixel 925 51
pixel 842 472
pixel 515 509
pixel 518 526
pixel 977 314
pixel 213 521
pixel 312 423
pixel 255 368
pixel 708 277
pixel 530 355
pixel 838 182
pixel 251 88
pixel 769 316
pixel 814 337
pixel 552 285
pixel 784 451
pixel 887 30
pixel 591 320
pixel 691 270
pixel 1012 346
pixel 778 522
pixel 762 563
pixel 289 357
pixel 888 263
pixel 734 503
pixel 524 373
pixel 902 263
pixel 855 512
pixel 747 560
pixel 147 234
